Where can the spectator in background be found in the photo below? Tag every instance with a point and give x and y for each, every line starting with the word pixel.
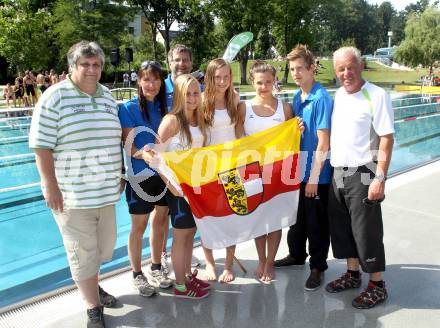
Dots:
pixel 125 80
pixel 54 79
pixel 29 87
pixel 133 79
pixel 19 92
pixel 46 84
pixel 8 94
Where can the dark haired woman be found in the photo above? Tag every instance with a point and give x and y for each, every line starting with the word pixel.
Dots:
pixel 140 118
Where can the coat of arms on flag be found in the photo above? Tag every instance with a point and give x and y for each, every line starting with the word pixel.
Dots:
pixel 243 189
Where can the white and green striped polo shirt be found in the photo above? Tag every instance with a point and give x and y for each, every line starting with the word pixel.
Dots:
pixel 85 135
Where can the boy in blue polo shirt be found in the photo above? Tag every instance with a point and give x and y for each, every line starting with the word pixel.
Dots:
pixel 314 105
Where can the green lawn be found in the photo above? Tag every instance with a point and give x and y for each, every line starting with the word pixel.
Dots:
pixel 374 72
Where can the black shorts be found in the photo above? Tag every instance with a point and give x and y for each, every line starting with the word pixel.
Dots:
pixel 356 228
pixel 141 203
pixel 19 93
pixel 30 90
pixel 180 212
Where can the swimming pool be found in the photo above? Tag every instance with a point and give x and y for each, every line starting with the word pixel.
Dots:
pixel 32 258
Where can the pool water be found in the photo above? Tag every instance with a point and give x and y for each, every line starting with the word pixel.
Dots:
pixel 32 257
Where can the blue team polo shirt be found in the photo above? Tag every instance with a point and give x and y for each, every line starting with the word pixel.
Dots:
pixel 131 117
pixel 169 92
pixel 316 112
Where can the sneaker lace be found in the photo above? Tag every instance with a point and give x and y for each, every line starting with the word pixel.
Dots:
pixel 94 313
pixel 343 280
pixel 371 293
pixel 159 275
pixel 143 281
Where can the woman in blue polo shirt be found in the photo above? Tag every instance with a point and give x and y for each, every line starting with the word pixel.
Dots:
pixel 140 118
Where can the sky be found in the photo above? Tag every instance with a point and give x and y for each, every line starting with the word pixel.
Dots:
pixel 397 4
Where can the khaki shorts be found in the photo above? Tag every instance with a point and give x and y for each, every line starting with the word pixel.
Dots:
pixel 89 237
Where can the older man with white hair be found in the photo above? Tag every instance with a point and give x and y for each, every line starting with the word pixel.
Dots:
pixel 76 135
pixel 361 144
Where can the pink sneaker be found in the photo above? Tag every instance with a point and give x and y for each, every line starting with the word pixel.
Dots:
pixel 191 292
pixel 200 283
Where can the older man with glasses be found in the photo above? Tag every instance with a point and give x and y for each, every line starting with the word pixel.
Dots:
pixel 76 135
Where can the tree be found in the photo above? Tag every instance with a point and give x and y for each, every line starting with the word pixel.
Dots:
pixel 197 31
pixel 385 14
pixel 160 15
pixel 263 43
pixel 25 33
pixel 142 49
pixel 398 22
pixel 291 25
pixel 417 8
pixel 422 39
pixel 239 16
pixel 103 21
pixel 326 16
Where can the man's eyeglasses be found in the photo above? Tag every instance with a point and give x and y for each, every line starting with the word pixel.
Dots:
pixel 151 63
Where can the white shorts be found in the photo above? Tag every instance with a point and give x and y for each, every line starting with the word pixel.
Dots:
pixel 89 237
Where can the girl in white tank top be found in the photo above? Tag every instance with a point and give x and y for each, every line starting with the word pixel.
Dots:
pixel 184 128
pixel 178 142
pixel 260 113
pixel 222 129
pixel 220 109
pixel 254 123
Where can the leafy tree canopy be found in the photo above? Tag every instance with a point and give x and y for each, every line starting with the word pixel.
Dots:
pixel 422 42
pixel 24 34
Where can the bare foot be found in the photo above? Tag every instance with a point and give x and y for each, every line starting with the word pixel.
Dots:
pixel 226 276
pixel 260 270
pixel 210 272
pixel 269 273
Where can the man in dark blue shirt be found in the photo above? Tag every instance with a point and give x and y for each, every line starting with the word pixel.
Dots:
pixel 314 105
pixel 179 62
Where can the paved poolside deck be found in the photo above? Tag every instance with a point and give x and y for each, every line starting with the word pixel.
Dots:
pixel 412 241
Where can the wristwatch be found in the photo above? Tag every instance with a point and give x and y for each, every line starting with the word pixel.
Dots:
pixel 380 177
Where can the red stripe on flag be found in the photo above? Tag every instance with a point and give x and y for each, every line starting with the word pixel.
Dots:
pixel 211 200
pixel 250 172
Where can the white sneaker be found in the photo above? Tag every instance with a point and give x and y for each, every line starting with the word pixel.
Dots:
pixel 140 283
pixel 158 278
pixel 164 263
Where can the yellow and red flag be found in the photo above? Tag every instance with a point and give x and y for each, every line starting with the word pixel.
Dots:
pixel 244 188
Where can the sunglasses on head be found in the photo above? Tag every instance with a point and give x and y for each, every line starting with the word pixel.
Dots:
pixel 152 63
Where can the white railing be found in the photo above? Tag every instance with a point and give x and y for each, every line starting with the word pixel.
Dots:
pixel 9 157
pixel 29 185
